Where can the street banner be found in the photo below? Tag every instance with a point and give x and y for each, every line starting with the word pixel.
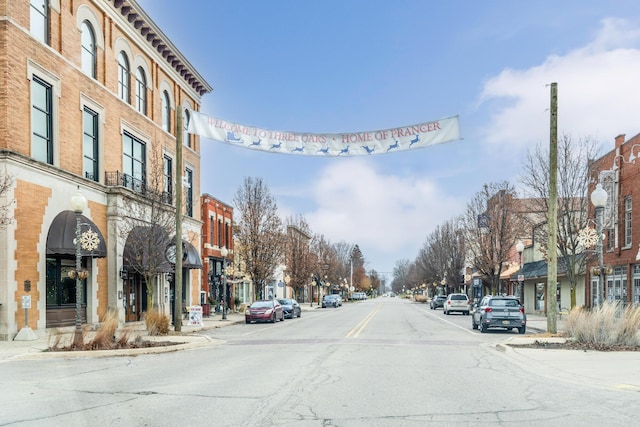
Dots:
pixel 326 144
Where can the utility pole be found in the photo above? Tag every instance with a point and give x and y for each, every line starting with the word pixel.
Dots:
pixel 177 315
pixel 552 267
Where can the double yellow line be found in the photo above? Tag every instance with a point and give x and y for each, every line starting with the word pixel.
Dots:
pixel 363 323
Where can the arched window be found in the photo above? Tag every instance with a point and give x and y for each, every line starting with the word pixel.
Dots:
pixel 185 124
pixel 88 49
pixel 166 112
pixel 141 91
pixel 123 78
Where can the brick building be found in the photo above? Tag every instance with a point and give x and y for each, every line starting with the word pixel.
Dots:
pixel 217 233
pixel 88 100
pixel 619 173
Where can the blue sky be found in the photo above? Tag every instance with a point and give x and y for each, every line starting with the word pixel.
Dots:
pixel 357 65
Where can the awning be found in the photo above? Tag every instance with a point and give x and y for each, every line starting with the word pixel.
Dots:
pixel 190 256
pixel 506 274
pixel 62 235
pixel 145 250
pixel 539 269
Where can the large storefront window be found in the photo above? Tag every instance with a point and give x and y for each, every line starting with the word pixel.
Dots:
pixel 617 286
pixel 636 284
pixel 61 289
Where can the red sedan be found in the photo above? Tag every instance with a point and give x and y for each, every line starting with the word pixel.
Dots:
pixel 264 311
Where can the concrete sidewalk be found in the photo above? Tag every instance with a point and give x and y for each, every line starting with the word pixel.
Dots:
pixel 188 337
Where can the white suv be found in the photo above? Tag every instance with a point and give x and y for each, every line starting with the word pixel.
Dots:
pixel 457 302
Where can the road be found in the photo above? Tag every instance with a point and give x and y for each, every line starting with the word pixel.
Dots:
pixel 381 362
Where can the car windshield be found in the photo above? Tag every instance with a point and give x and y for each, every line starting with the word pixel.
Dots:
pixel 262 304
pixel 503 303
pixel 285 301
pixel 459 297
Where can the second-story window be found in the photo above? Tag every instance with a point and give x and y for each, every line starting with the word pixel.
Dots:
pixel 39 20
pixel 220 244
pixel 133 163
pixel 123 78
pixel 141 91
pixel 188 201
pixel 211 228
pixel 167 180
pixel 186 140
pixel 41 121
pixel 627 221
pixel 90 144
pixel 166 111
pixel 88 52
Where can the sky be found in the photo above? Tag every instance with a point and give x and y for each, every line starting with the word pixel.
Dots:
pixel 338 66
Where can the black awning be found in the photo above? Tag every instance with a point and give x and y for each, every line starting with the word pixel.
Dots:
pixel 192 259
pixel 62 235
pixel 145 250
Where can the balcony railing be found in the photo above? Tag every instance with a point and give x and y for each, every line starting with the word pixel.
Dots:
pixel 119 179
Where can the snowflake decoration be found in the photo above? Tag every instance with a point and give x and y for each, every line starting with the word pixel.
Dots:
pixel 587 237
pixel 89 240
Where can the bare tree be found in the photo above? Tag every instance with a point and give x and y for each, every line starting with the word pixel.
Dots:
pixel 491 228
pixel 298 257
pixel 442 256
pixel 6 182
pixel 148 225
pixel 401 274
pixel 359 273
pixel 574 159
pixel 259 231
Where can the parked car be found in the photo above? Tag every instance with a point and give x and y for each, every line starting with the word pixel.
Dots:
pixel 499 312
pixel 264 311
pixel 438 301
pixel 358 296
pixel 331 300
pixel 290 307
pixel 457 303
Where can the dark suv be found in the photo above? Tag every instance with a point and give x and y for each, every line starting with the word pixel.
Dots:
pixel 499 312
pixel 438 301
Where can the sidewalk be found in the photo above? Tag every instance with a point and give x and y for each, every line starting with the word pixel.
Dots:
pixel 188 337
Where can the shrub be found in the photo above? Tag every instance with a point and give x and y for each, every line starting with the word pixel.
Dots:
pixel 157 323
pixel 606 325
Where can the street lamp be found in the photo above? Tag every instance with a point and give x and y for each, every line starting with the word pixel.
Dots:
pixel 599 200
pixel 520 249
pixel 224 251
pixel 78 204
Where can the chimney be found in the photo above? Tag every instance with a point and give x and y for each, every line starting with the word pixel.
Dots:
pixel 619 141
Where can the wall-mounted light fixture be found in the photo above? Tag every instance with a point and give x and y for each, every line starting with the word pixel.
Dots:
pixel 119 294
pixel 124 274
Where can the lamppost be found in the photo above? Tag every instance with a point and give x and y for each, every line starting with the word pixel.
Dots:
pixel 287 279
pixel 520 249
pixel 311 289
pixel 599 200
pixel 224 251
pixel 78 204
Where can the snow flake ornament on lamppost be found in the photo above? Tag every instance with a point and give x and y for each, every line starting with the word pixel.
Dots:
pixel 587 237
pixel 89 240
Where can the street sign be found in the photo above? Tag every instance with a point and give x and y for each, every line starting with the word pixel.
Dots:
pixel 26 301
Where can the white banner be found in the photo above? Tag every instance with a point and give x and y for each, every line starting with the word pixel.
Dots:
pixel 326 144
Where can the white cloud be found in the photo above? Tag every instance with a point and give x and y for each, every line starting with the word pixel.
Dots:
pixel 597 92
pixel 381 213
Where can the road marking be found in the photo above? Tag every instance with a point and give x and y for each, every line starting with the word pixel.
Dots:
pixel 448 322
pixel 363 323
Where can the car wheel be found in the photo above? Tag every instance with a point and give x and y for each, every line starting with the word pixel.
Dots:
pixel 300 313
pixel 483 327
pixel 273 318
pixel 522 330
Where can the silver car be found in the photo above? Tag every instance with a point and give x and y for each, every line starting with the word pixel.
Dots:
pixel 504 312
